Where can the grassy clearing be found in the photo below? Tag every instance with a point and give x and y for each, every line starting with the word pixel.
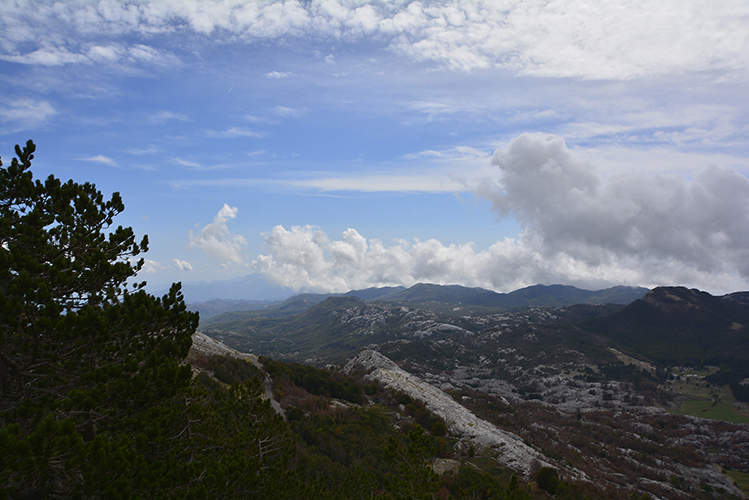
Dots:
pixel 710 401
pixel 709 409
pixel 628 360
pixel 740 478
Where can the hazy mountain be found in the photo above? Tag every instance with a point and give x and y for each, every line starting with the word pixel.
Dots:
pixel 253 287
pixel 441 298
pixel 537 295
pixel 382 293
pixel 215 307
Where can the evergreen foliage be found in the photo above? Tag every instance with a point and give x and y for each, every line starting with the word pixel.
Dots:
pixel 94 400
pixel 548 479
pixel 314 380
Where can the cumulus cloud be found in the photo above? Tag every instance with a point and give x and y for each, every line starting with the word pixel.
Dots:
pixel 150 266
pixel 182 265
pixel 306 258
pixel 601 40
pixel 565 199
pixel 217 241
pixel 659 225
pixel 578 227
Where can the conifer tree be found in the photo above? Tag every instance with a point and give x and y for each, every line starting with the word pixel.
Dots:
pixel 82 354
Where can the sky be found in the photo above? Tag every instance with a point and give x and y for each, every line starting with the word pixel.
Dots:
pixel 336 145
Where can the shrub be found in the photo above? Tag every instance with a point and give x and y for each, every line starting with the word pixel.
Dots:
pixel 548 479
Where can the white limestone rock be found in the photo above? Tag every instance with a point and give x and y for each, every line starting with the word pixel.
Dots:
pixel 510 450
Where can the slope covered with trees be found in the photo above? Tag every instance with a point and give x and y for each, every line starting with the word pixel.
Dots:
pixel 94 399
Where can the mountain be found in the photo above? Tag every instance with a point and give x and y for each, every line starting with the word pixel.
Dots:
pixel 677 325
pixel 253 287
pixel 319 331
pixel 556 392
pixel 215 307
pixel 450 299
pixel 306 327
pixel 740 297
pixel 382 293
pixel 537 295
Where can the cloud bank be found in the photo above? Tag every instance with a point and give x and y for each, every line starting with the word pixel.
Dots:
pixel 217 241
pixel 548 39
pixel 579 228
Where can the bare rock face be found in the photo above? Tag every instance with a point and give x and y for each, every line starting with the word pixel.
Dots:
pixel 510 450
pixel 204 345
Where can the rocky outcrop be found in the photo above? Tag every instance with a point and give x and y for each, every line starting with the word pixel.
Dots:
pixel 203 345
pixel 509 449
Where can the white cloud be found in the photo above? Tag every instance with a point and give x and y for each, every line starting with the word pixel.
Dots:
pixel 150 266
pixel 165 116
pixel 659 224
pixel 428 182
pixel 99 53
pixel 579 228
pixel 216 240
pixel 188 163
pixel 599 40
pixel 279 74
pixel 150 150
pixel 305 258
pixel 47 57
pixel 101 159
pixel 287 112
pixel 182 265
pixel 25 114
pixel 456 152
pixel 234 132
pixel 92 53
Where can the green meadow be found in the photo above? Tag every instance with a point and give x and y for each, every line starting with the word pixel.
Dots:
pixel 740 478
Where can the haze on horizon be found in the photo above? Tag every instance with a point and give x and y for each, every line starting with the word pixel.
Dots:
pixel 336 145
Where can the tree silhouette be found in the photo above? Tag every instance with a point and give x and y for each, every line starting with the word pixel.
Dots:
pixel 94 398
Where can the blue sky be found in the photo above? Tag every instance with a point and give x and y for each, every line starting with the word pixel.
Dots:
pixel 332 145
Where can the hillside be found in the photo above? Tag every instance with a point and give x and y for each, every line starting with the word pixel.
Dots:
pixel 537 295
pixel 338 327
pixel 446 299
pixel 589 400
pixel 676 325
pixel 474 435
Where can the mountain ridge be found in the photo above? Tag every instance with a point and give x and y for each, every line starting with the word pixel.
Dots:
pixel 433 296
pixel 677 324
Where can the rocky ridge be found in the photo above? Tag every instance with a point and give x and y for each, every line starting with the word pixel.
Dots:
pixel 509 448
pixel 203 345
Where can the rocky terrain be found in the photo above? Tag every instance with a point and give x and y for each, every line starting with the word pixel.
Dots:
pixel 530 387
pixel 634 447
pixel 509 449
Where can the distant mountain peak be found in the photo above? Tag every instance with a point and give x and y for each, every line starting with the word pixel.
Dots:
pixel 673 323
pixel 676 297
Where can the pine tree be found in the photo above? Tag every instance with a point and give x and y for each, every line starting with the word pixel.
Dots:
pixel 80 351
